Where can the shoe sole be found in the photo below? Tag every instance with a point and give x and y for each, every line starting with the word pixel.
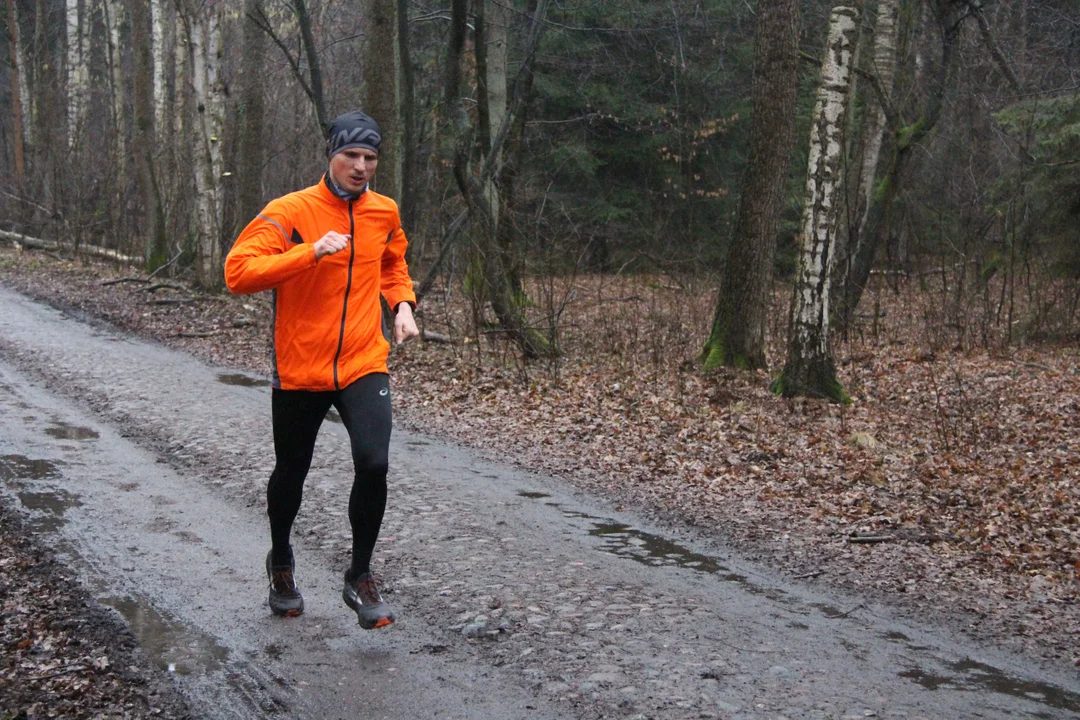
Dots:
pixel 384 621
pixel 291 612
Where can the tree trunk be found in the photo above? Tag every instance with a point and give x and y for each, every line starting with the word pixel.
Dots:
pixel 113 16
pixel 810 369
pixel 739 326
pixel 886 35
pixel 143 140
pixel 303 18
pixel 493 273
pixel 879 215
pixel 409 166
pixel 382 90
pixel 16 75
pixel 206 51
pixel 250 156
pixel 157 32
pixel 24 80
pixel 78 77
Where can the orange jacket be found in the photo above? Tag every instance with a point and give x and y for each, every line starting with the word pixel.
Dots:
pixel 327 328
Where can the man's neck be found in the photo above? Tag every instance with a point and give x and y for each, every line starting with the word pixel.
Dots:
pixel 341 192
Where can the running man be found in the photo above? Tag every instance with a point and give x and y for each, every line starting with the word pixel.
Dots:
pixel 328 252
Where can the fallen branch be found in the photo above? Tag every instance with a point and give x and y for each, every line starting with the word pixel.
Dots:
pixel 41 244
pixel 66 671
pixel 117 281
pixel 867 539
pixel 805 576
pixel 208 333
pixel 170 301
pixel 430 336
pixel 162 286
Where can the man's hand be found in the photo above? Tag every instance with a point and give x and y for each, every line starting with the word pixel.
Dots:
pixel 404 324
pixel 330 243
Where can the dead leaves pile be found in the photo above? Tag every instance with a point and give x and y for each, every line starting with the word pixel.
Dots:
pixel 63 658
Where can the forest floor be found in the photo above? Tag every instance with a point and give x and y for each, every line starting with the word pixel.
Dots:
pixel 950 486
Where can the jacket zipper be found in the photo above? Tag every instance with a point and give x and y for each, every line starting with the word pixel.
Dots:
pixel 348 286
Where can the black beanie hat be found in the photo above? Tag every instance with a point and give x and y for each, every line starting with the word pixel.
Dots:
pixel 352 130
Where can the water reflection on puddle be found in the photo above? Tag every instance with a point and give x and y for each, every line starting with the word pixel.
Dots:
pixel 63 431
pixel 970 675
pixel 171 644
pixel 242 380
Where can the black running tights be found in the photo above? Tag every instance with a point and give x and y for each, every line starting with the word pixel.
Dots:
pixel 364 407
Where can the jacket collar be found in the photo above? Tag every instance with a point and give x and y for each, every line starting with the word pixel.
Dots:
pixel 337 192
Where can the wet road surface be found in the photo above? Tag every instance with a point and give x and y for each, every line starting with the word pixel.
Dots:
pixel 518 597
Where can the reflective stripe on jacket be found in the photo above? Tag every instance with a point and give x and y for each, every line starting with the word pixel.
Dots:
pixel 327 328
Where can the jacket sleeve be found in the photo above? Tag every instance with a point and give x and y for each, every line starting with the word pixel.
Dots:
pixel 262 257
pixel 395 283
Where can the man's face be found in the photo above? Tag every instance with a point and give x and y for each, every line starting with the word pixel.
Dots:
pixel 352 169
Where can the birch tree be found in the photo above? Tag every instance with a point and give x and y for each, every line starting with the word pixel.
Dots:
pixel 882 72
pixel 250 156
pixel 78 76
pixel 113 15
pixel 205 50
pixel 810 369
pixel 158 24
pixel 879 217
pixel 738 332
pixel 17 87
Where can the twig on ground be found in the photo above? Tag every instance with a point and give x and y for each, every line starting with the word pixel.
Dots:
pixel 163 286
pixel 868 539
pixel 66 671
pixel 117 281
pixel 170 301
pixel 813 574
pixel 204 334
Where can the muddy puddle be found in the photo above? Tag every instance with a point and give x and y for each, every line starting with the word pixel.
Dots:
pixel 14 468
pixel 172 645
pixel 242 380
pixel 48 508
pixel 63 431
pixel 969 675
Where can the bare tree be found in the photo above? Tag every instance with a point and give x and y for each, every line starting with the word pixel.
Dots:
pixel 250 156
pixel 144 142
pixel 809 369
pixel 204 38
pixel 738 331
pixel 78 75
pixel 382 90
pixel 17 84
pixel 879 219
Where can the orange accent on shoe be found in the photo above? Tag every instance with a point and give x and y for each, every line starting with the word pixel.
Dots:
pixel 383 622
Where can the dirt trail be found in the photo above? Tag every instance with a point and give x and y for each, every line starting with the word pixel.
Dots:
pixel 518 597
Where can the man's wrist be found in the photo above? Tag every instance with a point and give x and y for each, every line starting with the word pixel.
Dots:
pixel 407 303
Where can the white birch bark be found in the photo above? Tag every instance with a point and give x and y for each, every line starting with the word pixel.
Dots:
pixel 206 51
pixel 77 71
pixel 496 24
pixel 113 18
pixel 809 369
pixel 25 100
pixel 157 34
pixel 886 33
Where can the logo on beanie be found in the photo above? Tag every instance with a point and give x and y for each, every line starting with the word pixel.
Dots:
pixel 354 137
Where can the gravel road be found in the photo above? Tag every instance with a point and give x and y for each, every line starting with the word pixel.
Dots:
pixel 518 596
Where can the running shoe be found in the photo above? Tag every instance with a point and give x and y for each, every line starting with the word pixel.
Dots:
pixel 363 597
pixel 285 598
